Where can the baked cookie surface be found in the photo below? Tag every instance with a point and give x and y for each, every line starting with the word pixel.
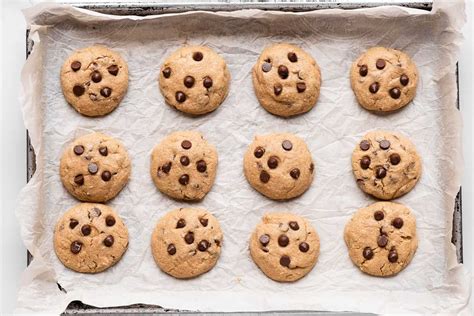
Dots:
pixel 284 246
pixel 194 80
pixel 95 167
pixel 186 242
pixel 90 238
pixel 384 79
pixel 381 238
pixel 286 80
pixel 386 164
pixel 279 166
pixel 94 80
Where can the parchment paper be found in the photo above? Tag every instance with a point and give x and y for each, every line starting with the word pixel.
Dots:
pixel 432 283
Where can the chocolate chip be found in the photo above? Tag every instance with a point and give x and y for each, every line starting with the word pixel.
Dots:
pixel 103 151
pixel 285 261
pixel 272 162
pixel 301 87
pixel 105 92
pixel 189 238
pixel 283 240
pixel 382 241
pixel 395 159
pixel 106 175
pixel 264 240
pixel 397 222
pixel 364 145
pixel 368 253
pixel 197 56
pixel 292 57
pixel 186 144
pixel 393 256
pixel 96 76
pixel 201 166
pixel 374 87
pixel 86 230
pixel 166 167
pixel 379 215
pixel 380 172
pixel 78 90
pixel 171 249
pixel 259 151
pixel 76 65
pixel 109 241
pixel 404 80
pixel 380 64
pixel 73 223
pixel 277 89
pixel 76 246
pixel 188 81
pixel 203 245
pixel 207 82
pixel 295 173
pixel 180 97
pixel 78 150
pixel 204 221
pixel 287 145
pixel 94 212
pixel 79 179
pixel 166 72
pixel 184 179
pixel 365 162
pixel 294 225
pixel 180 223
pixel 384 144
pixel 395 93
pixel 264 176
pixel 113 70
pixel 184 160
pixel 93 168
pixel 304 247
pixel 311 167
pixel 110 220
pixel 283 72
pixel 363 70
pixel 266 67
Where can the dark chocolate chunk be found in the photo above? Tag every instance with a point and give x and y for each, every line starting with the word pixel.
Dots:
pixel 166 72
pixel 304 247
pixel 93 168
pixel 207 82
pixel 113 70
pixel 78 90
pixel 363 70
pixel 78 150
pixel 264 239
pixel 184 179
pixel 186 144
pixel 106 92
pixel 292 57
pixel 184 160
pixel 76 247
pixel 109 241
pixel 203 245
pixel 188 81
pixel 96 77
pixel 287 145
pixel 198 56
pixel 180 223
pixel 368 253
pixel 365 162
pixel 106 175
pixel 171 249
pixel 283 240
pixel 110 220
pixel 73 223
pixel 380 64
pixel 379 215
pixel 285 261
pixel 76 65
pixel 86 230
pixel 201 166
pixel 283 72
pixel 272 162
pixel 397 222
pixel 264 176
pixel 79 179
pixel 295 173
pixel 189 238
pixel 180 97
pixel 259 151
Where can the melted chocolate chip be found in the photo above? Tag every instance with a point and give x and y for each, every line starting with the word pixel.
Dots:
pixel 266 67
pixel 79 179
pixel 207 82
pixel 106 92
pixel 110 220
pixel 395 93
pixel 180 97
pixel 78 150
pixel 272 162
pixel 78 90
pixel 303 247
pixel 380 64
pixel 264 240
pixel 379 215
pixel 295 173
pixel 384 144
pixel 180 223
pixel 264 176
pixel 189 238
pixel 188 81
pixel 186 144
pixel 283 72
pixel 204 221
pixel 301 87
pixel 397 222
pixel 76 247
pixel 285 261
pixel 368 253
pixel 382 241
pixel 292 57
pixel 166 167
pixel 103 151
pixel 365 162
pixel 393 256
pixel 73 223
pixel 106 175
pixel 395 159
pixel 76 65
pixel 380 172
pixel 294 225
pixel 92 168
pixel 171 249
pixel 203 245
pixel 184 160
pixel 374 87
pixel 109 241
pixel 311 167
pixel 287 145
pixel 96 77
pixel 283 240
pixel 364 145
pixel 277 89
pixel 404 80
pixel 166 72
pixel 86 230
pixel 259 151
pixel 113 70
pixel 363 70
pixel 198 56
pixel 184 179
pixel 201 166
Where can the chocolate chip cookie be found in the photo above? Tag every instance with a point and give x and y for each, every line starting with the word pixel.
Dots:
pixel 279 166
pixel 381 238
pixel 187 242
pixel 184 165
pixel 384 79
pixel 386 164
pixel 95 167
pixel 94 80
pixel 90 238
pixel 286 80
pixel 284 246
pixel 194 80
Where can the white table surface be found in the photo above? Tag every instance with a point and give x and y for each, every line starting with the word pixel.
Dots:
pixel 13 145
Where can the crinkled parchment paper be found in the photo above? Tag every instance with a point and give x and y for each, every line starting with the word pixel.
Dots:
pixel 432 283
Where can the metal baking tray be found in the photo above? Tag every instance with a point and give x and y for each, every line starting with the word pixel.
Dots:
pixel 154 8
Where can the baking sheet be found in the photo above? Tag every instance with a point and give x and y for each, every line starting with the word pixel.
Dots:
pixel 433 282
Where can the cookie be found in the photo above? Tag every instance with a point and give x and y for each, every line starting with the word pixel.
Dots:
pixel 279 166
pixel 286 80
pixel 194 80
pixel 381 238
pixel 186 242
pixel 184 165
pixel 284 246
pixel 384 79
pixel 386 164
pixel 90 238
pixel 94 80
pixel 95 168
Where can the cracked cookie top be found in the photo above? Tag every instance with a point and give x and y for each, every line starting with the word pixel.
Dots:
pixel 94 80
pixel 381 238
pixel 90 238
pixel 286 80
pixel 279 166
pixel 384 79
pixel 194 80
pixel 186 242
pixel 386 164
pixel 284 246
pixel 184 165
